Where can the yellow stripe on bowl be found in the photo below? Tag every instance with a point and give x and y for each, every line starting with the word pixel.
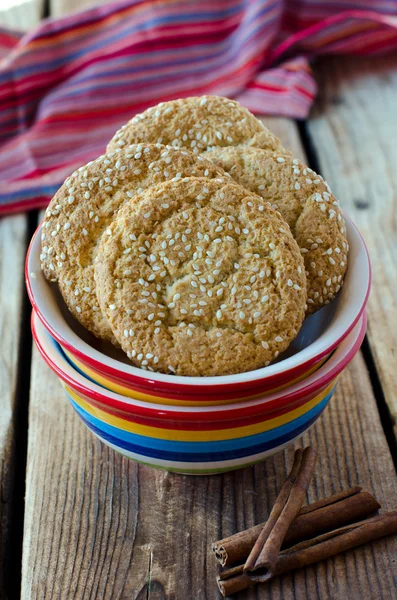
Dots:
pixel 197 436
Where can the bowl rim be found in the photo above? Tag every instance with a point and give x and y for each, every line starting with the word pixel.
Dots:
pixel 314 383
pixel 290 367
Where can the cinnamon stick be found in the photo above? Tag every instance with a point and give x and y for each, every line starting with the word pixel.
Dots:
pixel 312 551
pixel 289 502
pixel 319 517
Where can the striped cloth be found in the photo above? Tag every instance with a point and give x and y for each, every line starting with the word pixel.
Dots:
pixel 66 86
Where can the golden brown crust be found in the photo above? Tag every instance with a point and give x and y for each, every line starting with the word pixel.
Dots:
pixel 200 277
pixel 306 203
pixel 86 204
pixel 197 123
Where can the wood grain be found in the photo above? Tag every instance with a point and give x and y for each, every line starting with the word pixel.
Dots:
pixel 354 133
pixel 99 526
pixel 12 253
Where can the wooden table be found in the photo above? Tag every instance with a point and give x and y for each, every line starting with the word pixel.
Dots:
pixel 87 524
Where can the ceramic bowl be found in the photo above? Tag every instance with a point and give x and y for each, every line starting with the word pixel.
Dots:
pixel 321 333
pixel 198 440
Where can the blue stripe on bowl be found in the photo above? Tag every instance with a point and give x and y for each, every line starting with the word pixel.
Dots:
pixel 204 451
pixel 196 446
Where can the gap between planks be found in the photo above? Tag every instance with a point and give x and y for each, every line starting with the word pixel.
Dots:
pixel 388 423
pixel 15 361
pixel 352 132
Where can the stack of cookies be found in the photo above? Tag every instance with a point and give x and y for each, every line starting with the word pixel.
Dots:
pixel 197 243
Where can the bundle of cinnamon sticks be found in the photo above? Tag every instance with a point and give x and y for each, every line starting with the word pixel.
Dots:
pixel 295 537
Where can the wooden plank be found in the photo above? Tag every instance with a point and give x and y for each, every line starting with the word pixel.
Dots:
pixel 20 15
pixel 12 253
pixel 99 526
pixel 354 133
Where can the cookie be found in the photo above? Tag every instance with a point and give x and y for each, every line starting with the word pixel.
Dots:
pixel 84 206
pixel 197 123
pixel 306 203
pixel 201 277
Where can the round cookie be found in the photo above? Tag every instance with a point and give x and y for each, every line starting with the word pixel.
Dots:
pixel 84 206
pixel 306 203
pixel 201 277
pixel 197 123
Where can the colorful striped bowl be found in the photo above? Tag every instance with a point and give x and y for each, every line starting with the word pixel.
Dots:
pixel 321 333
pixel 199 440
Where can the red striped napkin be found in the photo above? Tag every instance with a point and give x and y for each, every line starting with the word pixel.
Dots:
pixel 69 84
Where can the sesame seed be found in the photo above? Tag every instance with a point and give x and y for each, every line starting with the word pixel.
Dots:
pixel 112 306
pixel 218 314
pixel 265 345
pixel 278 338
pixel 151 317
pixel 241 315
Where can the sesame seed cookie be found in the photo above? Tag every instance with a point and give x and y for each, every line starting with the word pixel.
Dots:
pixel 197 123
pixel 84 206
pixel 306 203
pixel 201 277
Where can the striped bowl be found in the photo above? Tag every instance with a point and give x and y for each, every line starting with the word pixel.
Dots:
pixel 320 334
pixel 205 439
